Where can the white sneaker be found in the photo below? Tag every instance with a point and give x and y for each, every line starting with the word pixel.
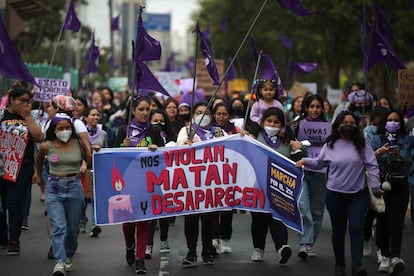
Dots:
pixel 59 269
pixel 303 252
pixel 384 265
pixel 217 245
pixel 257 255
pixel 164 247
pixel 284 254
pixel 69 264
pixel 148 252
pixel 379 256
pixel 311 253
pixel 367 248
pixel 396 266
pixel 225 246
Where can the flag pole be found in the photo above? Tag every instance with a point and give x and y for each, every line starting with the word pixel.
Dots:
pixel 237 52
pixel 251 89
pixel 190 135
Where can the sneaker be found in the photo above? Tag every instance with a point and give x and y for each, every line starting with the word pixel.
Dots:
pixel 190 260
pixel 284 254
pixel 225 246
pixel 379 256
pixel 207 259
pixel 384 265
pixel 303 252
pixel 59 269
pixel 148 252
pixel 130 256
pixel 367 249
pixel 212 252
pixel 4 241
pixel 82 226
pixel 140 266
pixel 359 271
pixel 50 255
pixel 25 224
pixel 164 248
pixel 216 244
pixel 396 265
pixel 69 264
pixel 257 255
pixel 95 231
pixel 13 249
pixel 311 253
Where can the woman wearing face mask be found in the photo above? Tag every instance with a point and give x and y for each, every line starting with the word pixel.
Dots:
pixel 201 130
pixel 312 201
pixel 390 143
pixel 64 193
pixel 272 122
pixel 349 157
pixel 139 133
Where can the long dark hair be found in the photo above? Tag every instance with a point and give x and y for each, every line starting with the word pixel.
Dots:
pixel 358 140
pixel 307 102
pixel 381 125
pixel 170 135
pixel 280 115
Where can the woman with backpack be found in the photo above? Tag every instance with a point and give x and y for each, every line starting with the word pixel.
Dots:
pixel 391 146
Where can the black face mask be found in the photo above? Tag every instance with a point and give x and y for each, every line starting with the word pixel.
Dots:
pixel 348 131
pixel 361 109
pixel 185 117
pixel 238 111
pixel 161 126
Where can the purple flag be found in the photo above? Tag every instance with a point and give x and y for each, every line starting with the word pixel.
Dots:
pixel 383 24
pixel 146 80
pixel 302 67
pixel 270 73
pixel 286 41
pixel 91 57
pixel 207 33
pixel 381 51
pixel 146 47
pixel 296 7
pixel 223 23
pixel 169 66
pixel 231 75
pixel 112 62
pixel 205 50
pixel 71 21
pixel 11 64
pixel 254 49
pixel 115 23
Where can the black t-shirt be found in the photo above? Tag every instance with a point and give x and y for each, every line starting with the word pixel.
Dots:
pixel 16 124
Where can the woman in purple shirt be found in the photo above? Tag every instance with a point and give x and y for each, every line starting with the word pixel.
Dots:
pixel 348 157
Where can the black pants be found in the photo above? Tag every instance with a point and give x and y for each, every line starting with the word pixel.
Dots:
pixel 191 225
pixel 164 225
pixel 390 224
pixel 223 225
pixel 263 221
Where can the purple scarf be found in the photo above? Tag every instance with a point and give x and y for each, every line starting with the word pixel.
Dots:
pixel 227 128
pixel 309 119
pixel 137 131
pixel 94 133
pixel 273 142
pixel 204 134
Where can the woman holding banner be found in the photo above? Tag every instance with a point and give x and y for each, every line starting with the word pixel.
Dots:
pixel 201 129
pixel 271 134
pixel 311 126
pixel 349 157
pixel 17 120
pixel 139 133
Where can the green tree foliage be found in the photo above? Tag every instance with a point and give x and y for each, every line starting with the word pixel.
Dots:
pixel 331 37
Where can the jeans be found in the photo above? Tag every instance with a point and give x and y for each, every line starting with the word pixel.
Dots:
pixel 412 204
pixel 347 209
pixel 64 199
pixel 17 198
pixel 312 205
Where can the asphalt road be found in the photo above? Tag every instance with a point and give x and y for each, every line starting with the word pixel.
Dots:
pixel 106 255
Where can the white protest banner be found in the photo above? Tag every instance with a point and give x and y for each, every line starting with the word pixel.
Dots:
pixel 170 81
pixel 50 88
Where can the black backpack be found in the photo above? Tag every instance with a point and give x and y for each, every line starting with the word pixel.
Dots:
pixel 395 170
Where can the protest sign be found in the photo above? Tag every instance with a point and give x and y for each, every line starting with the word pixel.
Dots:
pixel 170 81
pixel 406 87
pixel 316 133
pixel 230 172
pixel 203 79
pixel 48 88
pixel 12 147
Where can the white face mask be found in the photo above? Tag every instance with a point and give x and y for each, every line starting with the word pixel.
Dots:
pixel 271 131
pixel 202 122
pixel 64 135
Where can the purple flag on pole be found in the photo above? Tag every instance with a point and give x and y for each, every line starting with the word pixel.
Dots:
pixel 383 24
pixel 146 80
pixel 231 75
pixel 205 50
pixel 112 62
pixel 207 33
pixel 169 66
pixel 146 47
pixel 254 49
pixel 286 41
pixel 11 64
pixel 381 51
pixel 115 23
pixel 302 67
pixel 71 21
pixel 296 7
pixel 91 57
pixel 270 73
